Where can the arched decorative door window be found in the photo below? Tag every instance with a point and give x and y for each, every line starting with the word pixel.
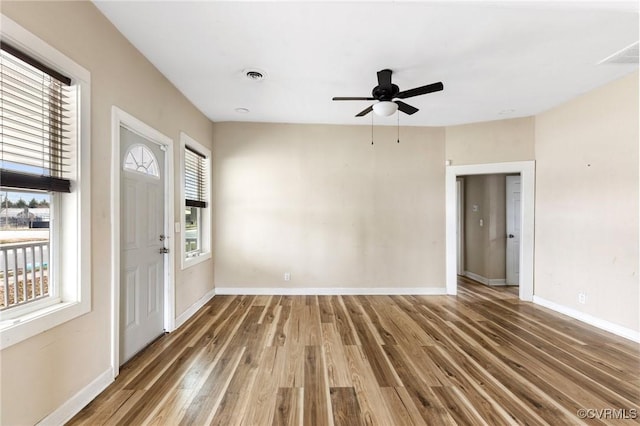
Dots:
pixel 140 159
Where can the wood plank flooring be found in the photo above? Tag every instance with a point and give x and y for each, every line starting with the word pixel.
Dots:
pixel 480 358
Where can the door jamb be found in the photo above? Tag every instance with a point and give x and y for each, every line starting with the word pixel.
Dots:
pixel 527 174
pixel 120 118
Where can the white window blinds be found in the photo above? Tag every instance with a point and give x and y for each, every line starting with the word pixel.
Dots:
pixel 195 169
pixel 34 123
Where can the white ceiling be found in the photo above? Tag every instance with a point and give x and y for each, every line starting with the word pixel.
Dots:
pixel 496 60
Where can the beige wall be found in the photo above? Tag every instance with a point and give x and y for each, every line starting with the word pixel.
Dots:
pixel 587 203
pixel 325 205
pixel 485 246
pixel 491 142
pixel 41 373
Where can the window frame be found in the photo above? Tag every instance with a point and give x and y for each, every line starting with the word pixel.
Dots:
pixel 188 259
pixel 72 227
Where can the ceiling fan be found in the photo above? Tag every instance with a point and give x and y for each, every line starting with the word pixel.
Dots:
pixel 387 95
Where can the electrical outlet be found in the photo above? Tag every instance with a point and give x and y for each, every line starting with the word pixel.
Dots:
pixel 582 298
pixel 287 276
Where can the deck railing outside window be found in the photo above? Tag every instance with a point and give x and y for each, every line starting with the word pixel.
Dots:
pixel 24 273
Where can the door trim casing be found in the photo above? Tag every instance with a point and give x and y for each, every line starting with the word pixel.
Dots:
pixel 460 225
pixel 120 118
pixel 527 175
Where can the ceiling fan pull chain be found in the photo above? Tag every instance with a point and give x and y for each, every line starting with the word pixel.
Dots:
pixel 398 114
pixel 371 129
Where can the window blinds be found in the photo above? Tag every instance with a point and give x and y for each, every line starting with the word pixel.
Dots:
pixel 195 169
pixel 34 124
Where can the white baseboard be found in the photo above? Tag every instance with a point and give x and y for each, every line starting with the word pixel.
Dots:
pixel 485 280
pixel 191 310
pixel 321 291
pixel 476 277
pixel 605 325
pixel 66 411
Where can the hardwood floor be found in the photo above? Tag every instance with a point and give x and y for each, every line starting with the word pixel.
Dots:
pixel 482 357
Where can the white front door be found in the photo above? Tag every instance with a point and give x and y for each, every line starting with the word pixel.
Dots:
pixel 141 242
pixel 513 230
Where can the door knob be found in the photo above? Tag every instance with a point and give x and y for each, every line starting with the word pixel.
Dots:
pixel 163 250
pixel 511 236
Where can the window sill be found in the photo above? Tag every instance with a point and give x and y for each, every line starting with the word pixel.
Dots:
pixel 188 262
pixel 17 329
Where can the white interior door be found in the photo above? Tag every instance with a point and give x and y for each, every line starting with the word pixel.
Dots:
pixel 141 243
pixel 513 229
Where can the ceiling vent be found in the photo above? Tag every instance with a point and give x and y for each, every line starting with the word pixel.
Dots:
pixel 254 74
pixel 628 55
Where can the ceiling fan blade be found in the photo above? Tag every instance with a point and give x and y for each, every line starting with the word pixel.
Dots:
pixel 348 98
pixel 423 90
pixel 384 78
pixel 406 108
pixel 365 111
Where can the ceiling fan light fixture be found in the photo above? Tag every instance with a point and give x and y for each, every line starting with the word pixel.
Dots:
pixel 385 108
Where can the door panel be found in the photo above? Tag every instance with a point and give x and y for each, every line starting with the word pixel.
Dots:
pixel 128 221
pixel 513 230
pixel 154 218
pixel 142 224
pixel 130 298
pixel 155 290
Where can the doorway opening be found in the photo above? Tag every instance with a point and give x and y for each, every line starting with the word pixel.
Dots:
pixel 488 229
pixel 526 171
